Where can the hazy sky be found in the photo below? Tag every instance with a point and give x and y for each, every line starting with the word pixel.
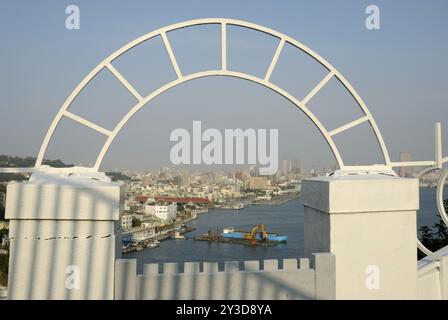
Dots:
pixel 399 70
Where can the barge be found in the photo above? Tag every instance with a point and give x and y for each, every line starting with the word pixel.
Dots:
pixel 258 236
pixel 258 233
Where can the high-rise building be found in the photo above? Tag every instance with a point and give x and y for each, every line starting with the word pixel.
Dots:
pixel 286 166
pixel 405 171
pixel 295 166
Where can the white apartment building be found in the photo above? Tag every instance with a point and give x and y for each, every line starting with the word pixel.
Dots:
pixel 162 211
pixel 126 221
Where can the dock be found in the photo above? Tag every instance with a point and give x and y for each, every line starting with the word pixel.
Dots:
pixel 158 237
pixel 219 239
pixel 277 200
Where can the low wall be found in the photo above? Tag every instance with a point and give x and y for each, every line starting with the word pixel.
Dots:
pixel 432 280
pixel 197 281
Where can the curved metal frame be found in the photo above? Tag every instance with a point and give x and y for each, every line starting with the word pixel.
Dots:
pixel 283 39
pixel 440 206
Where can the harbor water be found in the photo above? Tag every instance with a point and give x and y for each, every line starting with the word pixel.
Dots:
pixel 285 219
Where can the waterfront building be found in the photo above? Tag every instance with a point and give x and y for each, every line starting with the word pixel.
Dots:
pixel 163 211
pixel 258 183
pixel 139 234
pixel 196 200
pixel 126 221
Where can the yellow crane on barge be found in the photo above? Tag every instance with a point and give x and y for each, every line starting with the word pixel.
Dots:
pixel 260 229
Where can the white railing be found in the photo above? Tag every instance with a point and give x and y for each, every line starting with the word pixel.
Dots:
pixel 296 280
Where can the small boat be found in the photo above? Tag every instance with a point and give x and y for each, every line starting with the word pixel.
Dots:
pixel 177 235
pixel 239 206
pixel 228 230
pixel 152 245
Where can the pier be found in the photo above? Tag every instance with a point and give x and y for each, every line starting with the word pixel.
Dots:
pixel 163 235
pixel 211 238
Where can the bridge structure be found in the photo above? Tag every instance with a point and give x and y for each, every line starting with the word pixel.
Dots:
pixel 65 220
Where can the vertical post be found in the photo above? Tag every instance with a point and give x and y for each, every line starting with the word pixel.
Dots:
pixel 443 274
pixel 224 46
pixel 125 279
pixel 368 221
pixel 325 266
pixel 65 236
pixel 438 143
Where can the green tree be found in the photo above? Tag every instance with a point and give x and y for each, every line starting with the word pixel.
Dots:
pixel 425 234
pixel 136 222
pixel 4 260
pixel 4 263
pixel 435 237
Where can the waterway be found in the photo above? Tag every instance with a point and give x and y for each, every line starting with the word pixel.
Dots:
pixel 286 219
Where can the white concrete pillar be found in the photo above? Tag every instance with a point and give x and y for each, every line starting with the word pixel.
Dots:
pixel 65 236
pixel 368 222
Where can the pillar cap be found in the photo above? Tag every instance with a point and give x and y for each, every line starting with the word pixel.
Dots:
pixel 64 197
pixel 361 193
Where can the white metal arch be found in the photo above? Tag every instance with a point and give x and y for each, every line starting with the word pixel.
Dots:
pixel 283 39
pixel 436 164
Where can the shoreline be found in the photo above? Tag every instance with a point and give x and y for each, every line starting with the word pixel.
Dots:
pixel 277 201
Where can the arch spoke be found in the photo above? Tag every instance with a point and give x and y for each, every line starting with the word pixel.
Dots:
pixel 87 123
pixel 224 46
pixel 170 52
pixel 124 82
pixel 348 126
pixel 317 88
pixel 275 59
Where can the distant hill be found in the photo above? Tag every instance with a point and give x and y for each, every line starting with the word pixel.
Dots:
pixel 20 162
pixel 14 162
pixel 115 176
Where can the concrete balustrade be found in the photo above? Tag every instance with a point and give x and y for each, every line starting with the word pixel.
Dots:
pixel 250 282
